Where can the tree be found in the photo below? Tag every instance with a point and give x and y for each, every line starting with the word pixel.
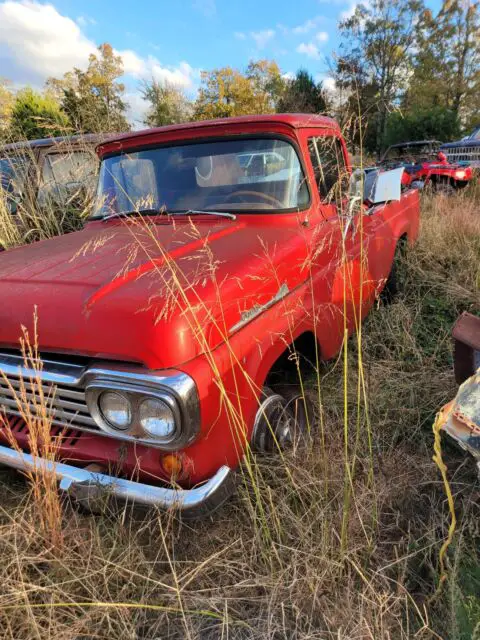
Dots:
pixel 92 99
pixel 379 39
pixel 434 123
pixel 227 92
pixel 356 103
pixel 7 100
pixel 168 104
pixel 303 95
pixel 36 116
pixel 447 62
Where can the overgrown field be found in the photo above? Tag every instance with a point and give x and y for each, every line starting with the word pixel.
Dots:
pixel 342 539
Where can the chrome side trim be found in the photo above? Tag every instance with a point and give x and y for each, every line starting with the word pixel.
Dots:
pixel 91 487
pixel 257 309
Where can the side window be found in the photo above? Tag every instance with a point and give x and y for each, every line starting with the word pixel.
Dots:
pixel 62 174
pixel 328 161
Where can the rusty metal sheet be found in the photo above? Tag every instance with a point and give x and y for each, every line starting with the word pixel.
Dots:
pixel 460 418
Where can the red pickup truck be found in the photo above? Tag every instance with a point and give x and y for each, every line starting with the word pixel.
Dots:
pixel 168 326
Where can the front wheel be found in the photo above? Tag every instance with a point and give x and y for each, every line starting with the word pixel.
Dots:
pixel 444 188
pixel 284 419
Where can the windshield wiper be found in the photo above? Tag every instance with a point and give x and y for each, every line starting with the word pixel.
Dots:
pixel 199 212
pixel 154 212
pixel 133 212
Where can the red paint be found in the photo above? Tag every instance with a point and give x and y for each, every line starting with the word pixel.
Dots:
pixel 99 295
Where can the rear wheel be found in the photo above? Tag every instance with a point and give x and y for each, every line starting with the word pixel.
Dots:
pixel 284 419
pixel 394 284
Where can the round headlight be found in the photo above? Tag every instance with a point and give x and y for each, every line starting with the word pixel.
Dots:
pixel 156 418
pixel 115 409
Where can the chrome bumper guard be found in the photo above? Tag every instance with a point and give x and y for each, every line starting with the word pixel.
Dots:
pixel 91 488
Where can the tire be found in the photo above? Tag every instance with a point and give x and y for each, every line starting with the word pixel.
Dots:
pixel 284 419
pixel 444 188
pixel 393 286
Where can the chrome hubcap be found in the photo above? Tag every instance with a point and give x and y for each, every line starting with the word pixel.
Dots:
pixel 274 425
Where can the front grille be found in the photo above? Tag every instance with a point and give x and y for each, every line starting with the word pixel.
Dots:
pixel 64 405
pixel 463 154
pixel 50 388
pixel 68 437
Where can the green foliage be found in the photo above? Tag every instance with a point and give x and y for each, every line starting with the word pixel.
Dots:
pixel 7 99
pixel 375 57
pixel 36 116
pixel 303 95
pixel 168 104
pixel 436 123
pixel 228 92
pixel 92 99
pixel 447 62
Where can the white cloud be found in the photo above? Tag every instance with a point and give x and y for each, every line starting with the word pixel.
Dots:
pixel 262 38
pixel 182 75
pixel 133 64
pixel 36 41
pixel 239 35
pixel 137 109
pixel 84 21
pixel 321 36
pixel 289 75
pixel 308 25
pixel 309 49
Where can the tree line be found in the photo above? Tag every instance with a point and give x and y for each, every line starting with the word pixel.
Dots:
pixel 401 72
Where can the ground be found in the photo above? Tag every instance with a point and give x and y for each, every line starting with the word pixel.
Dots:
pixel 337 540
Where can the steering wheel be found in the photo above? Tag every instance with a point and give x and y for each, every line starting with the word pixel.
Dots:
pixel 270 199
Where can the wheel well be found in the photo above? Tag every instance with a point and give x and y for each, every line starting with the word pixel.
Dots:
pixel 436 179
pixel 402 242
pixel 302 357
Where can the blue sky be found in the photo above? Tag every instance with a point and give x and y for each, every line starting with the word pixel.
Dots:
pixel 167 39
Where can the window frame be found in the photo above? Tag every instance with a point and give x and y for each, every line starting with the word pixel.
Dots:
pixel 313 137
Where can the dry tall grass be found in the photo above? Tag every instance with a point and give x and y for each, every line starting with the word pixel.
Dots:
pixel 44 207
pixel 281 560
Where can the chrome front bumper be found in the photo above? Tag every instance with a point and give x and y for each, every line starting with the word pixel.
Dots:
pixel 91 488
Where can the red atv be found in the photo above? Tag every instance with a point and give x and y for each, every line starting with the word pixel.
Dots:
pixel 424 165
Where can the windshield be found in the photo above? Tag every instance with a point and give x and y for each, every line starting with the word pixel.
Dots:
pixel 232 175
pixel 412 153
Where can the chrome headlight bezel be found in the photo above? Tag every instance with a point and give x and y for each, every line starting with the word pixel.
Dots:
pixel 174 389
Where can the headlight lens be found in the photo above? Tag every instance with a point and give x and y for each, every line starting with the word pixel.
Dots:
pixel 116 409
pixel 460 175
pixel 156 418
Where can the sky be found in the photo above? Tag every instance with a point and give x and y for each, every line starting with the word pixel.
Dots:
pixel 169 40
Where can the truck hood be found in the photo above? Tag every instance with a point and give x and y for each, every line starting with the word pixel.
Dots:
pixel 155 292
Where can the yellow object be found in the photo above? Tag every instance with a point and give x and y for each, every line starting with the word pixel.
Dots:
pixel 172 465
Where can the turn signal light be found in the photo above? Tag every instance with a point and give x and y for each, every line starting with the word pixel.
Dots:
pixel 172 465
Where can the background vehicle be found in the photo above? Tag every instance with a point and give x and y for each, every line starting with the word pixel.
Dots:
pixel 51 170
pixel 169 322
pixel 464 151
pixel 422 163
